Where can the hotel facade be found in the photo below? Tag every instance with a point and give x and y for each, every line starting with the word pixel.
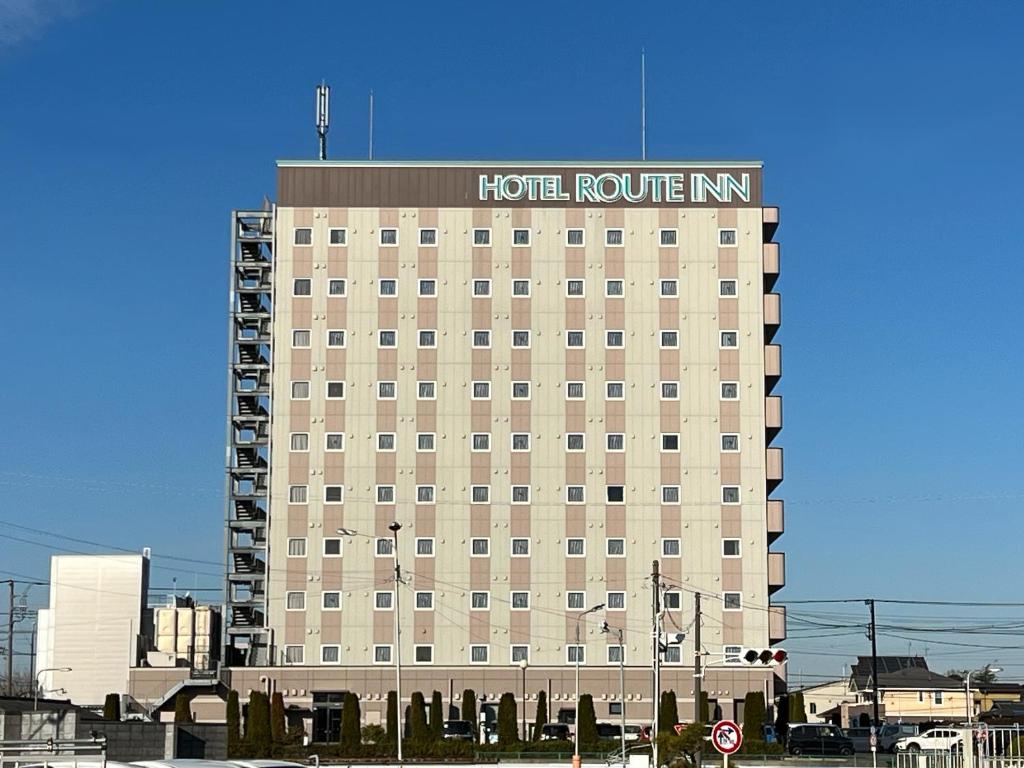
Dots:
pixel 550 375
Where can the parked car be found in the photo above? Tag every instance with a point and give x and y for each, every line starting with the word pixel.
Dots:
pixel 887 736
pixel 609 731
pixel 935 739
pixel 555 732
pixel 635 733
pixel 458 730
pixel 817 739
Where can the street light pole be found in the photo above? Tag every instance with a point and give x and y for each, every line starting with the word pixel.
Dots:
pixel 35 688
pixel 523 664
pixel 576 759
pixel 622 688
pixel 395 527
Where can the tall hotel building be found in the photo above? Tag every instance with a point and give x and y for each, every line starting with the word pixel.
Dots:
pixel 550 375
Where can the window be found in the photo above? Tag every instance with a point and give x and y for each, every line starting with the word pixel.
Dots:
pixel 299 442
pixel 574 442
pixel 730 443
pixel 385 442
pixel 296 547
pixel 423 654
pixel 387 339
pixel 576 601
pixel 574 339
pixel 615 547
pixel 668 237
pixel 614 289
pixel 520 390
pixel 331 601
pixel 727 288
pixel 520 601
pixel 337 286
pixel 730 547
pixel 614 390
pixel 336 338
pixel 424 494
pixel 729 339
pixel 425 442
pixel 670 339
pixel 670 390
pixel 428 237
pixel 334 494
pixel 520 494
pixel 669 288
pixel 385 494
pixel 302 286
pixel 520 237
pixel 574 237
pixel 616 601
pixel 727 237
pixel 389 237
pixel 426 390
pixel 730 494
pixel 520 442
pixel 303 236
pixel 295 601
pixel 387 390
pixel 424 601
pixel 672 601
pixel 615 656
pixel 520 653
pixel 481 442
pixel 615 442
pixel 575 654
pixel 574 288
pixel 812 706
pixel 730 390
pixel 481 237
pixel 338 236
pixel 334 441
pixel 480 547
pixel 673 654
pixel 614 339
pixel 480 601
pixel 335 390
pixel 615 494
pixel 480 494
pixel 387 287
pixel 520 288
pixel 481 390
pixel 294 654
pixel 732 656
pixel 574 494
pixel 478 654
pixel 937 697
pixel 520 547
pixel 428 287
pixel 481 288
pixel 671 548
pixel 521 339
pixel 427 339
pixel 298 494
pixel 424 547
pixel 670 494
pixel 731 601
pixel 330 654
pixel 481 339
pixel 300 339
pixel 332 547
pixel 384 547
pixel 669 442
pixel 382 654
pixel 382 601
pixel 613 237
pixel 574 390
pixel 575 547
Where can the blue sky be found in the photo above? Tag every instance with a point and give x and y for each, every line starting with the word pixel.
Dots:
pixel 890 136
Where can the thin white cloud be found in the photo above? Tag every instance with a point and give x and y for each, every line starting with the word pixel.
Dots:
pixel 26 19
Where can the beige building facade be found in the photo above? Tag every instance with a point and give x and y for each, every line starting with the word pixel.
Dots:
pixel 550 375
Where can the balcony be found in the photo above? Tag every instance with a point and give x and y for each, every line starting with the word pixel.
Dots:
pixel 772 366
pixel 772 416
pixel 773 468
pixel 776 519
pixel 770 253
pixel 772 315
pixel 776 571
pixel 776 624
pixel 769 221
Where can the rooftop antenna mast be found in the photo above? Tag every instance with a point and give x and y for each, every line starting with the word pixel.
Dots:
pixel 371 125
pixel 643 103
pixel 323 115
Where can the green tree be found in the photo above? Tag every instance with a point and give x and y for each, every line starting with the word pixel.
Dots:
pixel 683 747
pixel 508 731
pixel 586 721
pixel 782 716
pixel 797 713
pixel 258 725
pixel 374 734
pixel 753 717
pixel 419 733
pixel 112 707
pixel 668 712
pixel 278 728
pixel 437 716
pixel 233 718
pixel 350 721
pixel 182 709
pixel 392 720
pixel 542 715
pixel 469 711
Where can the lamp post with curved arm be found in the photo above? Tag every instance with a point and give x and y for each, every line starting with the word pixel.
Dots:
pixel 35 688
pixel 576 759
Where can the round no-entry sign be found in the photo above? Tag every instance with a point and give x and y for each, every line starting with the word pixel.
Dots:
pixel 726 736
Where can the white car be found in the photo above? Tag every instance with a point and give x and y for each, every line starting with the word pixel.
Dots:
pixel 935 740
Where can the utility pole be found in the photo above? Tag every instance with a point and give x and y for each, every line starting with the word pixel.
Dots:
pixel 656 656
pixel 395 527
pixel 10 637
pixel 874 663
pixel 697 680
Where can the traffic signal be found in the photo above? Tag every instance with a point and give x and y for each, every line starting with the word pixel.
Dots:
pixel 765 657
